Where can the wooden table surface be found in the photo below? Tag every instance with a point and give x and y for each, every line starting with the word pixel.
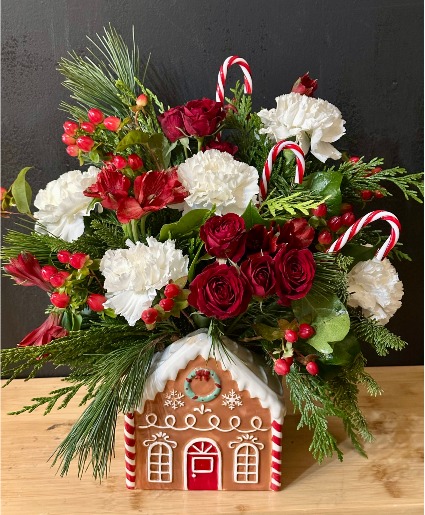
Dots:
pixel 389 481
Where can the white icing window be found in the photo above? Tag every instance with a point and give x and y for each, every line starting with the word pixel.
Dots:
pixel 246 463
pixel 160 460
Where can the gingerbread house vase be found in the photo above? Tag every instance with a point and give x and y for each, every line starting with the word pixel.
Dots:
pixel 210 419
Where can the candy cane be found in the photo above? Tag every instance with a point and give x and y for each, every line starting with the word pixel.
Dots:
pixel 130 451
pixel 268 165
pixel 222 74
pixel 365 220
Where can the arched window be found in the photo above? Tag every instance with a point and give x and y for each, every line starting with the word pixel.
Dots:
pixel 160 461
pixel 246 464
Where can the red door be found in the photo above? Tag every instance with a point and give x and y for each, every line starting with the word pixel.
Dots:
pixel 203 465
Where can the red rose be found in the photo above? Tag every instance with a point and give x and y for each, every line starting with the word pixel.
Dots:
pixel 259 239
pixel 172 123
pixel 259 270
pixel 305 85
pixel 220 291
pixel 224 236
pixel 295 271
pixel 202 117
pixel 111 187
pixel 222 146
pixel 297 234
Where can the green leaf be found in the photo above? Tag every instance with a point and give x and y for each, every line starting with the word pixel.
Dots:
pixel 328 316
pixel 133 138
pixel 21 192
pixel 344 352
pixel 187 226
pixel 358 252
pixel 158 145
pixel 252 216
pixel 268 333
pixel 94 156
pixel 326 184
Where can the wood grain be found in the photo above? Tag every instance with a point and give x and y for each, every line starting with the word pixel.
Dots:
pixel 390 481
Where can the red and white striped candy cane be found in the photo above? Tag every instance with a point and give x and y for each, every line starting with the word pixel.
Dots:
pixel 268 165
pixel 365 220
pixel 222 74
pixel 130 451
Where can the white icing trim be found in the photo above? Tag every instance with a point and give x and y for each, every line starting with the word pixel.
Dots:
pixel 252 439
pixel 237 360
pixel 218 453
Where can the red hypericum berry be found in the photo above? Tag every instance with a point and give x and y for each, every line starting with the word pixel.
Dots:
pixel 95 115
pixel 95 301
pixel 70 127
pixel 291 336
pixel 377 169
pixel 64 273
pixel 85 143
pixel 3 192
pixel 171 290
pixel 48 271
pixel 134 162
pixel 305 331
pixel 345 208
pixel 57 280
pixel 312 368
pixel 282 367
pixel 289 360
pixel 348 218
pixel 325 237
pixel 320 210
pixel 166 304
pixel 149 316
pixel 354 159
pixel 72 150
pixel 112 123
pixel 60 300
pixel 67 139
pixel 119 162
pixel 378 194
pixel 366 194
pixel 334 223
pixel 142 100
pixel 78 260
pixel 63 256
pixel 88 127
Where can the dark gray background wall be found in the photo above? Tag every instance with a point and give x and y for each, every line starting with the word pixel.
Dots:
pixel 367 55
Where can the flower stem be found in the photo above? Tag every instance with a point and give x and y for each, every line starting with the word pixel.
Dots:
pixel 200 143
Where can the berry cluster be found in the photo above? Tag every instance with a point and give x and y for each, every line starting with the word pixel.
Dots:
pixel 333 226
pixel 173 301
pixel 367 195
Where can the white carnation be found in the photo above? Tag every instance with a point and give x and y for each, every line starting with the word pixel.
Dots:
pixel 314 122
pixel 62 204
pixel 375 287
pixel 133 275
pixel 216 178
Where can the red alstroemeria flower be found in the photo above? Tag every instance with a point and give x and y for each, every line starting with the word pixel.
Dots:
pixel 152 191
pixel 111 187
pixel 26 270
pixel 49 330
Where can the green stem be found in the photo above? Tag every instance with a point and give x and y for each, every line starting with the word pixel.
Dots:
pixel 191 272
pixel 200 143
pixel 134 230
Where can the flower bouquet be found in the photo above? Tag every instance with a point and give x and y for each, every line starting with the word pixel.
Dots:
pixel 203 254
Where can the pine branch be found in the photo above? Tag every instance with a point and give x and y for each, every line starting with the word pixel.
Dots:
pixel 295 204
pixel 331 274
pixel 51 400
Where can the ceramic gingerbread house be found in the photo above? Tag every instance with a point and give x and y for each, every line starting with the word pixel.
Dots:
pixel 210 419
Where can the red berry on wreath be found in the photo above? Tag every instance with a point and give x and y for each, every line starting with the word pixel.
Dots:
pixel 85 143
pixel 112 123
pixel 291 336
pixel 334 223
pixel 48 271
pixel 312 368
pixel 171 290
pixel 320 210
pixel 63 256
pixel 325 237
pixel 119 162
pixel 305 331
pixel 88 127
pixel 72 150
pixel 60 300
pixel 67 139
pixel 348 218
pixel 70 127
pixel 149 316
pixel 95 301
pixel 95 115
pixel 78 260
pixel 366 194
pixel 282 367
pixel 345 208
pixel 134 162
pixel 166 304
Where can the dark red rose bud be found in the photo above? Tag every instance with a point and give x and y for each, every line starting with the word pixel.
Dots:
pixel 220 291
pixel 172 123
pixel 295 271
pixel 296 234
pixel 259 239
pixel 305 85
pixel 282 367
pixel 202 117
pixel 222 146
pixel 305 331
pixel 224 236
pixel 259 271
